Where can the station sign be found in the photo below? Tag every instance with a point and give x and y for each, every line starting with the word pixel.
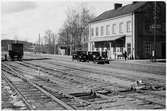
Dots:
pixel 155 26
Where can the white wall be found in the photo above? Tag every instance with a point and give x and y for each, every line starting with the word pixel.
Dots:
pixel 117 20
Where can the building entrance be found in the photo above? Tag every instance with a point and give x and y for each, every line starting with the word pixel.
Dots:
pixel 163 50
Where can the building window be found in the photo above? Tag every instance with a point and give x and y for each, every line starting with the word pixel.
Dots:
pixel 120 27
pixel 129 26
pixel 97 31
pixel 118 49
pixel 102 30
pixel 113 28
pixel 107 29
pixel 92 32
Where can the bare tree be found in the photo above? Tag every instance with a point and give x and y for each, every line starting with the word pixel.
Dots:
pixel 50 41
pixel 38 45
pixel 75 29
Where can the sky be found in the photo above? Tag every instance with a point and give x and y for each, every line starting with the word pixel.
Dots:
pixel 25 20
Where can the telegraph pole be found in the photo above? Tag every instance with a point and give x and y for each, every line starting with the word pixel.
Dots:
pixel 67 43
pixel 154 47
pixel 39 43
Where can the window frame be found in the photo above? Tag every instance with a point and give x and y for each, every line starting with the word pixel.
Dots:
pixel 97 31
pixel 102 30
pixel 92 32
pixel 113 28
pixel 107 29
pixel 129 26
pixel 121 27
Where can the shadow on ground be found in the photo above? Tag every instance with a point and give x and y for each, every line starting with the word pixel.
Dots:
pixel 31 59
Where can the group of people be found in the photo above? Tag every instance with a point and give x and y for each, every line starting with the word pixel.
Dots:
pixel 124 55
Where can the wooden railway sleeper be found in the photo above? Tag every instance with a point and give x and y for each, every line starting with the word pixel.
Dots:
pixel 29 106
pixel 41 89
pixel 153 102
pixel 86 103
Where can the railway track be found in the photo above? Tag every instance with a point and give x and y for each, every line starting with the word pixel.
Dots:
pixel 99 99
pixel 67 75
pixel 118 75
pixel 34 96
pixel 84 102
pixel 107 73
pixel 158 83
pixel 10 99
pixel 140 96
pixel 77 71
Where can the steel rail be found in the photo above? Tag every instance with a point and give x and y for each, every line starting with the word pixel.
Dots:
pixel 81 100
pixel 41 89
pixel 85 70
pixel 29 106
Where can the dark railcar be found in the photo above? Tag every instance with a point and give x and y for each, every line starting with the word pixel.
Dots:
pixel 16 51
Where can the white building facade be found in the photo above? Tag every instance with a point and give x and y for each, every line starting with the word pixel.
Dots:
pixel 111 30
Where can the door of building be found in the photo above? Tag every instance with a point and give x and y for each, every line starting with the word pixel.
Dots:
pixel 163 50
pixel 148 49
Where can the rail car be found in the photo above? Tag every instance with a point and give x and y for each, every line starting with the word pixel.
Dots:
pixel 15 51
pixel 86 56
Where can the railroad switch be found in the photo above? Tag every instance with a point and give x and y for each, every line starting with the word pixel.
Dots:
pixel 93 93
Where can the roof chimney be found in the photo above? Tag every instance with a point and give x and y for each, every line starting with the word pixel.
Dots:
pixel 134 2
pixel 117 5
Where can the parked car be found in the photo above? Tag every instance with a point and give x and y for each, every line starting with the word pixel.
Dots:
pixel 96 57
pixel 80 55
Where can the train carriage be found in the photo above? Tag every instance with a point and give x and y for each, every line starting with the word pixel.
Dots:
pixel 15 50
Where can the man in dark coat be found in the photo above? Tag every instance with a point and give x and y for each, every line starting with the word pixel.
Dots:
pixel 125 55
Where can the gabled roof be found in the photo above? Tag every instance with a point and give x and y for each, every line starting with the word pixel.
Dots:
pixel 120 11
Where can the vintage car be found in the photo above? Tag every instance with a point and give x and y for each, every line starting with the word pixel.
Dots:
pixel 96 57
pixel 80 55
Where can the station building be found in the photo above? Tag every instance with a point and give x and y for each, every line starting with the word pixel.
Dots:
pixel 137 28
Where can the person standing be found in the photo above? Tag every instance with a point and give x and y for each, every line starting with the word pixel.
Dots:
pixel 125 55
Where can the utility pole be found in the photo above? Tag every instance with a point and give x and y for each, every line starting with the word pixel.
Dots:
pixel 39 43
pixel 154 47
pixel 67 50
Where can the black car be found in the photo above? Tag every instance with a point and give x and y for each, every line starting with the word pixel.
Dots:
pixel 93 56
pixel 96 57
pixel 80 56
